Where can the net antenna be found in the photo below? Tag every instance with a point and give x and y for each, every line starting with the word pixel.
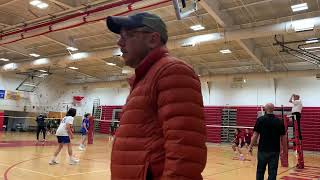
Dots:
pixel 184 8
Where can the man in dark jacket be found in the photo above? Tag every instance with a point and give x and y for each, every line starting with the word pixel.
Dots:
pixel 271 131
pixel 41 126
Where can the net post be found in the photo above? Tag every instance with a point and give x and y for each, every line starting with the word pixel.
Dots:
pixel 90 130
pixel 284 145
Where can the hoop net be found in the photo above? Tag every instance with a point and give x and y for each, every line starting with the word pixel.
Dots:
pixel 77 100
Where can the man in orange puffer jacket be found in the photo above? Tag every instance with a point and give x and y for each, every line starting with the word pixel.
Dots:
pixel 162 132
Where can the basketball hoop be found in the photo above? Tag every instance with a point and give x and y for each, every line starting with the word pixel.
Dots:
pixel 77 100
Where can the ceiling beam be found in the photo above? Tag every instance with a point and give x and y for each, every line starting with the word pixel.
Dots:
pixel 246 5
pixel 78 71
pixel 61 4
pixel 6 3
pixel 224 19
pixel 212 7
pixel 15 49
pixel 3 24
pixel 251 48
pixel 55 40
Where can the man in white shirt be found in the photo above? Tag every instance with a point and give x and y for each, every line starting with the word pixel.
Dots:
pixel 296 110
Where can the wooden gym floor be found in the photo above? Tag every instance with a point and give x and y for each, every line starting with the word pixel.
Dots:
pixel 22 159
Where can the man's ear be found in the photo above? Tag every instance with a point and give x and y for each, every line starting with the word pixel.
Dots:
pixel 155 40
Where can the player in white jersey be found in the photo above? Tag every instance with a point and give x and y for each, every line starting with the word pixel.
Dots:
pixel 64 134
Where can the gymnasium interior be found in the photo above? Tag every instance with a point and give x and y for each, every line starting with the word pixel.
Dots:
pixel 59 54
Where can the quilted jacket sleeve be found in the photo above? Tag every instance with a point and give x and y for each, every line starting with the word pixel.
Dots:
pixel 180 110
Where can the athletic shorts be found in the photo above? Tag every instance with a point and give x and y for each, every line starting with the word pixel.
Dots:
pixel 63 139
pixel 248 142
pixel 242 144
pixel 83 132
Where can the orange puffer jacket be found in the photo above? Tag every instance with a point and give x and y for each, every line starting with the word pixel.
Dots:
pixel 162 132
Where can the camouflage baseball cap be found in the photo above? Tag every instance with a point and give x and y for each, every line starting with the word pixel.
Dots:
pixel 144 19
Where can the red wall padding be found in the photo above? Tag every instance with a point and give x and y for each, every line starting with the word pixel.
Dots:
pixel 106 115
pixel 212 115
pixel 246 116
pixel 310 127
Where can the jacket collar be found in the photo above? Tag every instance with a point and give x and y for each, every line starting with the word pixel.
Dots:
pixel 142 69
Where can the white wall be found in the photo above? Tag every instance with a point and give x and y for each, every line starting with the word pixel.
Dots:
pixel 253 92
pixel 107 96
pixel 55 95
pixel 307 87
pixel 259 91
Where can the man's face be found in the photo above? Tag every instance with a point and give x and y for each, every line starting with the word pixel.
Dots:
pixel 134 45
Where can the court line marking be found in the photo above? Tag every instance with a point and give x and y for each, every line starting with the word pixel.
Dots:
pixel 286 170
pixel 23 169
pixel 14 167
pixel 227 171
pixel 83 173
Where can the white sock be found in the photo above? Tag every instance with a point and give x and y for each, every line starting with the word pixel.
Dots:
pixel 54 158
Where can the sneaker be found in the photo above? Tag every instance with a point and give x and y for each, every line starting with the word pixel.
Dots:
pixel 241 158
pixel 74 161
pixel 81 148
pixel 53 162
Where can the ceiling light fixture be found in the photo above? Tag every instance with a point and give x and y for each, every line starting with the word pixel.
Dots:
pixel 35 2
pixel 4 59
pixel 117 52
pixel 34 55
pixel 110 64
pixel 303 25
pixel 79 55
pixel 39 4
pixel 309 41
pixel 41 61
pixel 74 68
pixel 299 7
pixel 27 84
pixel 72 48
pixel 42 5
pixel 197 27
pixel 311 48
pixel 194 40
pixel 44 74
pixel 225 51
pixel 10 66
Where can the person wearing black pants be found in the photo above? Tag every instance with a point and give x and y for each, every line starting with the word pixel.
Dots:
pixel 296 110
pixel 41 127
pixel 271 130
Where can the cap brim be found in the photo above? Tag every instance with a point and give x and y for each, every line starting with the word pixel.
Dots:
pixel 116 23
